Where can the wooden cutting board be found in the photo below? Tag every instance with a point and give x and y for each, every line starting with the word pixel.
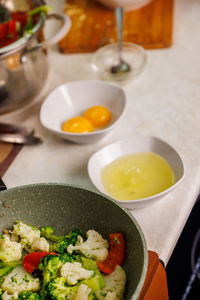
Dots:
pixel 93 25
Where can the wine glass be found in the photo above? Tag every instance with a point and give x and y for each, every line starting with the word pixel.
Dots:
pixel 110 56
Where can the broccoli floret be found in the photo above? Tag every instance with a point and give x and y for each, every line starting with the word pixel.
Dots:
pixel 6 268
pixel 28 296
pixel 49 265
pixel 47 231
pixel 64 241
pixel 58 289
pixel 96 282
pixel 1 292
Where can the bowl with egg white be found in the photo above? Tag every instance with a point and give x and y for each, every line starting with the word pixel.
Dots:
pixel 136 171
pixel 83 111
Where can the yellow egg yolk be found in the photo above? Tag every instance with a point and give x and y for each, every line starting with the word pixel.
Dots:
pixel 98 115
pixel 77 125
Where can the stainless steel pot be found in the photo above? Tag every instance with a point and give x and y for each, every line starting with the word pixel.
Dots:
pixel 24 64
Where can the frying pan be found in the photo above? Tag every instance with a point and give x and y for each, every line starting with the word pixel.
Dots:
pixel 67 207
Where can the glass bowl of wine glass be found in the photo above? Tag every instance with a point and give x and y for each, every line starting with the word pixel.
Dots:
pixel 107 56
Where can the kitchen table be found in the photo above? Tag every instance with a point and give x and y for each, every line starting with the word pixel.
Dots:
pixel 164 101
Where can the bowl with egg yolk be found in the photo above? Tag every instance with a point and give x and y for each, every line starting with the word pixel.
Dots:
pixel 83 111
pixel 136 171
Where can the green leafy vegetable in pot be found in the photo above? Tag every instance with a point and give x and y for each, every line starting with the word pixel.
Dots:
pixel 14 25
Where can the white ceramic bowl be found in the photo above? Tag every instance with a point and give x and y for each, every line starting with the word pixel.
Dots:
pixel 129 146
pixel 73 98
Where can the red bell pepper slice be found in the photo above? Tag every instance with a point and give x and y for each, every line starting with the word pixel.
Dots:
pixel 20 16
pixel 32 260
pixel 8 33
pixel 3 30
pixel 116 254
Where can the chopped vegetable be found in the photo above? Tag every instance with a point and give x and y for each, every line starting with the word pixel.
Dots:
pixel 49 265
pixel 47 231
pixel 64 241
pixel 14 25
pixel 19 280
pixel 83 292
pixel 9 250
pixel 72 271
pixel 114 285
pixel 94 247
pixel 57 289
pixel 6 268
pixel 30 237
pixel 32 260
pixel 116 254
pixel 29 296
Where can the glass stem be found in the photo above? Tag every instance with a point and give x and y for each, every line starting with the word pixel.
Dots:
pixel 119 14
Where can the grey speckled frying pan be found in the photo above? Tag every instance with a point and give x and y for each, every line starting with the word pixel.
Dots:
pixel 66 207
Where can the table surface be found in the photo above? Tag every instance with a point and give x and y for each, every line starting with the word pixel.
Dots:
pixel 163 102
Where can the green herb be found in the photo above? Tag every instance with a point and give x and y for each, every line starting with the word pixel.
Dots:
pixel 13 279
pixel 25 278
pixel 103 294
pixel 10 36
pixel 28 246
pixel 116 240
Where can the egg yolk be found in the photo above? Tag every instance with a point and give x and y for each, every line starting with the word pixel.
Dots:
pixel 98 115
pixel 77 125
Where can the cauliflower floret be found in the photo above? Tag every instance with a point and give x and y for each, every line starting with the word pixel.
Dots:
pixel 74 272
pixel 9 250
pixel 30 237
pixel 26 232
pixel 94 247
pixel 19 280
pixel 40 244
pixel 82 293
pixel 6 296
pixel 114 285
